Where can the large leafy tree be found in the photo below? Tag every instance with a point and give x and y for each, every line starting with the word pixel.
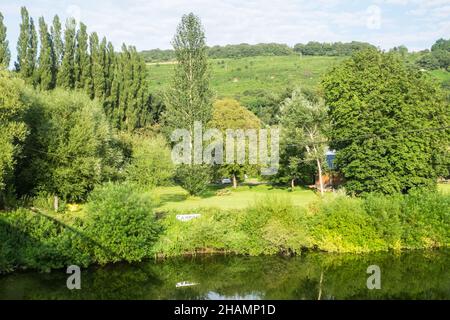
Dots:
pixel 229 114
pixel 389 124
pixel 47 64
pixel 5 54
pixel 189 97
pixel 70 147
pixel 66 74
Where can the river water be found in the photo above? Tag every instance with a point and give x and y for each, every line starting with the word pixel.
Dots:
pixel 409 275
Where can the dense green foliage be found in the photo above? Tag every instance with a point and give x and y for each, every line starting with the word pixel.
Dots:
pixel 13 107
pixel 229 114
pixel 340 224
pixel 313 48
pixel 438 58
pixel 303 124
pixel 151 163
pixel 389 124
pixel 232 51
pixel 121 222
pixel 244 50
pixel 119 226
pixel 69 149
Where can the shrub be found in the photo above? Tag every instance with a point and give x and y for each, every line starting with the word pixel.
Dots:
pixel 193 178
pixel 121 223
pixel 33 240
pixel 151 164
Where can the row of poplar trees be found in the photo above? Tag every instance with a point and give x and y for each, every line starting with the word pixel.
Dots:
pixel 73 59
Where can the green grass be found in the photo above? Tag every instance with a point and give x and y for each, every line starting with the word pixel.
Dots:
pixel 441 75
pixel 175 198
pixel 244 78
pixel 444 188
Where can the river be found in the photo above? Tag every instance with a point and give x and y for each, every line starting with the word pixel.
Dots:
pixel 407 275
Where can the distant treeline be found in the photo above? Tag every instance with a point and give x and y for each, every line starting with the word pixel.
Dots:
pixel 313 48
pixel 266 49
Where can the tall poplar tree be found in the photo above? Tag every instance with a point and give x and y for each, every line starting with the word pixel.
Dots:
pixel 22 66
pixel 47 66
pixel 98 77
pixel 66 74
pixel 5 54
pixel 57 40
pixel 32 53
pixel 189 98
pixel 82 60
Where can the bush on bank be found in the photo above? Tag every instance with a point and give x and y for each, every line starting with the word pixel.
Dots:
pixel 119 225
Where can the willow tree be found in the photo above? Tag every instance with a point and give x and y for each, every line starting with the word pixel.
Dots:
pixel 5 54
pixel 189 98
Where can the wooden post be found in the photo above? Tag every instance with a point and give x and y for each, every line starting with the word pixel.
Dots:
pixel 56 203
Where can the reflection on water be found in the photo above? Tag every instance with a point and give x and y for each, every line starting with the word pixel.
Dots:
pixel 410 275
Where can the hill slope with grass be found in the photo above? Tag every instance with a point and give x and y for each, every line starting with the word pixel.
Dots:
pixel 247 79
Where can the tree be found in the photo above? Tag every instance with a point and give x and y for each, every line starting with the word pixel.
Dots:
pixel 387 124
pixel 26 48
pixel 13 129
pixel 98 53
pixel 189 98
pixel 304 124
pixel 151 163
pixel 83 76
pixel 441 44
pixel 70 148
pixel 66 74
pixel 5 54
pixel 229 114
pixel 47 65
pixel 57 40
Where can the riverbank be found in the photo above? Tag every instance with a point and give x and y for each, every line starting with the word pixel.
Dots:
pixel 118 224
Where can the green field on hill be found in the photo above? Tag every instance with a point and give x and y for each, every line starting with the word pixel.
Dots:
pixel 246 78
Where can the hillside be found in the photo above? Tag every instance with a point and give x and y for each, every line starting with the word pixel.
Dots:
pixel 247 78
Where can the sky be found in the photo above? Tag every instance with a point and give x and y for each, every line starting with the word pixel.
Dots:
pixel 150 24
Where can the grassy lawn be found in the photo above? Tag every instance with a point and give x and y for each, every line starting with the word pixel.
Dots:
pixel 175 198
